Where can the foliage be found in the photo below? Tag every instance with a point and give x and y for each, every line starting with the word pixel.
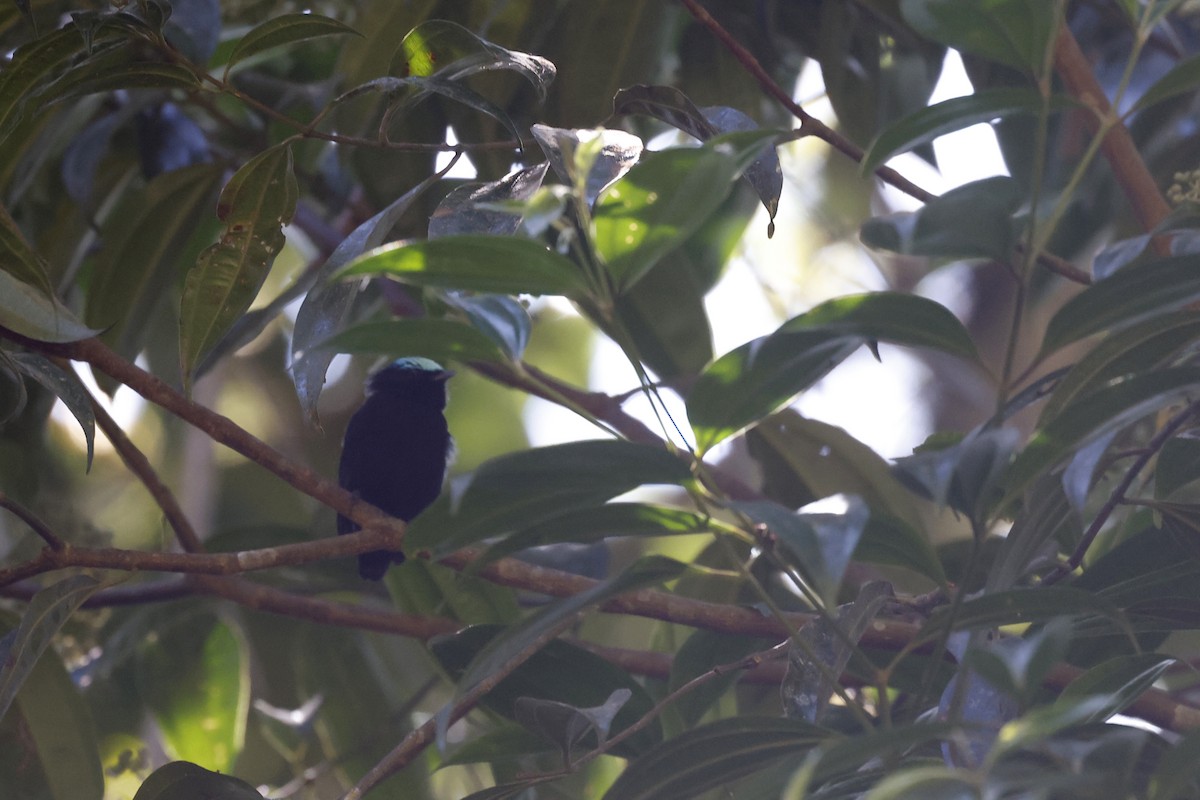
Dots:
pixel 195 194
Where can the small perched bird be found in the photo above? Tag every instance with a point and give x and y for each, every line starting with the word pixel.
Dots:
pixel 396 448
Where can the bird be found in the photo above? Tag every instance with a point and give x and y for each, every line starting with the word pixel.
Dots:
pixel 396 448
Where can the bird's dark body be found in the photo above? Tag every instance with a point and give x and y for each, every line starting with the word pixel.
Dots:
pixel 396 446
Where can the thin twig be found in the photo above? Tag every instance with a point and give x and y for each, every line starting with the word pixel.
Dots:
pixel 810 126
pixel 1118 494
pixel 137 463
pixel 33 521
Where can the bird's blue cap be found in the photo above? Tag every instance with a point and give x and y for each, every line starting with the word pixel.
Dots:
pixel 418 363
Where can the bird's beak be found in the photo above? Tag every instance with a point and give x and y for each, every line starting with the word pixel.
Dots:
pixel 444 375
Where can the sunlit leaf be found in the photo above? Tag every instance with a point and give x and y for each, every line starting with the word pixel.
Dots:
pixel 439 339
pixel 496 264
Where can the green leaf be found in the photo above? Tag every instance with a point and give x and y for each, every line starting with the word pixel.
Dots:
pixel 925 783
pixel 55 726
pixel 1126 297
pixel 1014 32
pixel 1142 346
pixel 449 51
pixel 1178 465
pixel 514 641
pixel 952 115
pixel 889 317
pixel 757 378
pixel 181 780
pixel 515 490
pixel 405 92
pixel 1017 606
pixel 713 755
pixel 1121 680
pixel 257 202
pixel 112 74
pixel 29 66
pixel 138 263
pixel 439 339
pixel 699 654
pixel 892 540
pixel 1178 771
pixel 588 160
pixel 501 319
pixel 596 523
pixel 326 306
pixel 821 545
pixel 973 221
pixel 494 264
pixel 66 387
pixel 45 615
pixel 560 672
pixel 20 260
pixel 31 313
pixel 662 201
pixel 281 30
pixel 1105 410
pixel 1184 77
pixel 207 726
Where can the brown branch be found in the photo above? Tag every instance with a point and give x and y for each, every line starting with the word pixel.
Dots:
pixel 138 594
pixel 286 555
pixel 220 429
pixel 1117 145
pixel 137 463
pixel 33 521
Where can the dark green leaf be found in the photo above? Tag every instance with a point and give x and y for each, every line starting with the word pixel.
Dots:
pixel 1142 346
pixel 1104 410
pixel 29 66
pixel 821 544
pixel 20 260
pixel 1184 77
pixel 1126 297
pixel 55 729
pixel 972 221
pixel 596 523
pixel 284 29
pixel 139 260
pixel 501 319
pixel 889 317
pixel 560 672
pixel 47 612
pixel 952 115
pixel 1178 465
pixel 29 312
pixel 325 307
pixel 1016 606
pixel 495 264
pixel 1014 32
pixel 757 378
pixel 1177 773
pixel 518 489
pixel 713 755
pixel 439 339
pixel 514 642
pixel 182 780
pixel 257 202
pixel 67 387
pixel 1120 680
pixel 486 208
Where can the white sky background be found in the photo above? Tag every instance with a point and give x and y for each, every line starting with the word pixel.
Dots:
pixel 877 403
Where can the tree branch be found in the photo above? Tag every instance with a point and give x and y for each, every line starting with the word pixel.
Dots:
pixel 33 521
pixel 1117 146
